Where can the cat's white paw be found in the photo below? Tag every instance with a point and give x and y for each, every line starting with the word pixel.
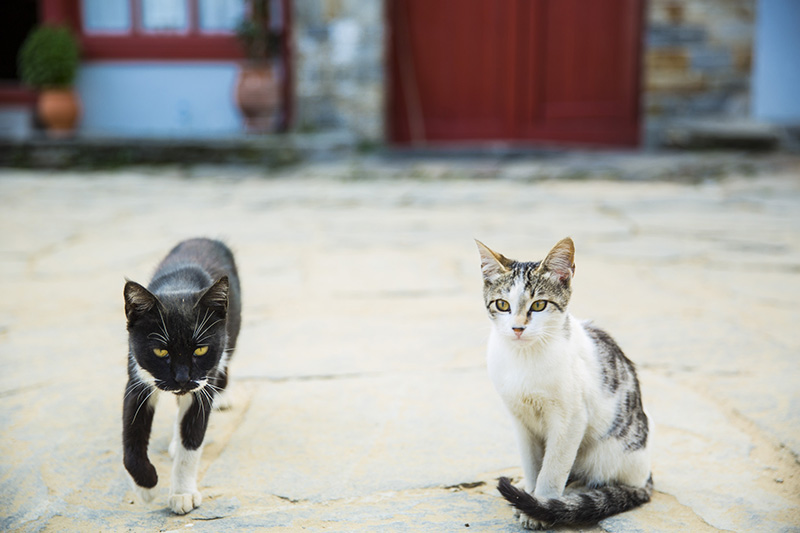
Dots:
pixel 183 503
pixel 530 523
pixel 144 494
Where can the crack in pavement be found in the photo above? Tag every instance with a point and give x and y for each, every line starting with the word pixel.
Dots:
pixel 357 375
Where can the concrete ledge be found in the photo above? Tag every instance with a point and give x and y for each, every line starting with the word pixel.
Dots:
pixel 104 153
pixel 356 160
pixel 110 152
pixel 706 134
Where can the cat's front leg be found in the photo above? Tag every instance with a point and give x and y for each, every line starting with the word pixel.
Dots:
pixel 138 408
pixel 561 444
pixel 561 448
pixel 193 412
pixel 530 451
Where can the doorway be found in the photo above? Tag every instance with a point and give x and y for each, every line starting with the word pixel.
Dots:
pixel 516 71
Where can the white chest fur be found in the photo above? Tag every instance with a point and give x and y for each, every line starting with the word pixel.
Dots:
pixel 542 384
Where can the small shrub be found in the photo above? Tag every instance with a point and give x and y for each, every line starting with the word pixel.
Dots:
pixel 49 58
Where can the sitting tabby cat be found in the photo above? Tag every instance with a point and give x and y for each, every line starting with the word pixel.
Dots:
pixel 182 330
pixel 573 396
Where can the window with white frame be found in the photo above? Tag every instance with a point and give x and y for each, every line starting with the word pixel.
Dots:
pixel 122 17
pixel 106 16
pixel 220 15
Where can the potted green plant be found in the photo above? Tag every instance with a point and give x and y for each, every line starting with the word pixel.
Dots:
pixel 48 61
pixel 258 92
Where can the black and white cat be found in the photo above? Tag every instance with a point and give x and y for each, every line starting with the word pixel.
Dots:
pixel 182 330
pixel 573 396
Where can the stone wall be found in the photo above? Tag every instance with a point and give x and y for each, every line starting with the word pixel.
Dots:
pixel 697 62
pixel 339 74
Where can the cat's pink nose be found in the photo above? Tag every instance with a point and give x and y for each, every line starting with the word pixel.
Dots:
pixel 518 330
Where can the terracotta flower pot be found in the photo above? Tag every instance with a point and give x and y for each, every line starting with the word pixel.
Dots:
pixel 59 110
pixel 258 97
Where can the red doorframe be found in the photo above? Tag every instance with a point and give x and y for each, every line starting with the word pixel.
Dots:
pixel 517 71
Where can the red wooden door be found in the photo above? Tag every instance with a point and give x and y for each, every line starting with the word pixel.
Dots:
pixel 561 71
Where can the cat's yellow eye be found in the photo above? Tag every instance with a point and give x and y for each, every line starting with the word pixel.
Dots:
pixel 502 305
pixel 539 305
pixel 201 351
pixel 160 352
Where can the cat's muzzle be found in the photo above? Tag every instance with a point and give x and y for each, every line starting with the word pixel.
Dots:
pixel 180 390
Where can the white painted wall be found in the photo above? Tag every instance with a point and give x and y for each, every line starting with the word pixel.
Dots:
pixel 159 99
pixel 776 67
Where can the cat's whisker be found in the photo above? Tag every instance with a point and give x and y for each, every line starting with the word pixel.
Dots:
pixel 158 337
pixel 217 390
pixel 208 314
pixel 163 324
pixel 194 330
pixel 202 396
pixel 203 335
pixel 205 338
pixel 213 387
pixel 152 391
pixel 198 398
pixel 140 385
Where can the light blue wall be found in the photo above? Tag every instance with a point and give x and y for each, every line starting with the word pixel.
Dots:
pixel 776 67
pixel 156 99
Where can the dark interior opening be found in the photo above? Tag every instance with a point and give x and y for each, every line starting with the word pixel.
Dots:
pixel 17 18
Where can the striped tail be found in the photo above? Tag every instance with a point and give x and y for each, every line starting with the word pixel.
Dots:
pixel 577 508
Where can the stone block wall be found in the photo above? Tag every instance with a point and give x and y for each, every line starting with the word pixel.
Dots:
pixel 339 73
pixel 697 58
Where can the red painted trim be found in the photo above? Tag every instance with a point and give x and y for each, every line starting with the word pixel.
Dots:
pixel 161 47
pixel 637 42
pixel 288 66
pixel 193 18
pixel 391 107
pixel 16 95
pixel 136 15
pixel 59 12
pixel 193 45
pixel 158 46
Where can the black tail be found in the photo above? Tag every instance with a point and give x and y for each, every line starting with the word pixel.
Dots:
pixel 580 507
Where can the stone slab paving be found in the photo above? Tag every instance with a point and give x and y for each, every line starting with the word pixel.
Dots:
pixel 361 401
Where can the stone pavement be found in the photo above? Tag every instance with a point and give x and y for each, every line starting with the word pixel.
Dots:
pixel 361 397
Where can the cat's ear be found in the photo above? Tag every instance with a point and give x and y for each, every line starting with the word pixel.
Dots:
pixel 138 300
pixel 561 260
pixel 493 265
pixel 216 296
